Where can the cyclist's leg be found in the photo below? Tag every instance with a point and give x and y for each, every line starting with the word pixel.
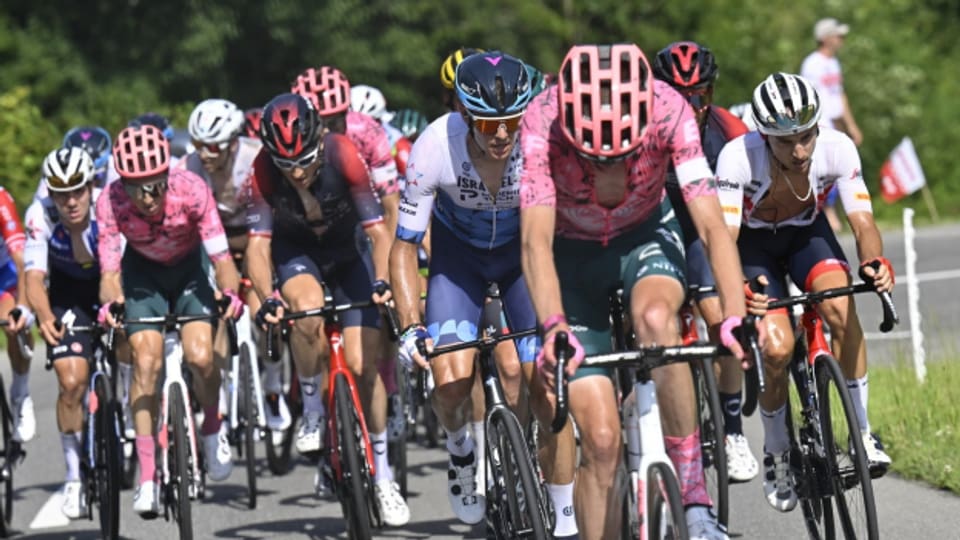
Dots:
pixel 24 420
pixel 759 257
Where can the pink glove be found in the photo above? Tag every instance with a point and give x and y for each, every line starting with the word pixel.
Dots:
pixel 546 364
pixel 102 313
pixel 727 338
pixel 236 304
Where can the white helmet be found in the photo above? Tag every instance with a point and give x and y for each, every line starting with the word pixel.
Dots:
pixel 785 104
pixel 215 121
pixel 744 113
pixel 67 169
pixel 368 100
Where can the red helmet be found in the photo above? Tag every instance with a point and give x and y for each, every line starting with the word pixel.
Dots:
pixel 290 126
pixel 686 65
pixel 251 124
pixel 606 99
pixel 326 87
pixel 141 152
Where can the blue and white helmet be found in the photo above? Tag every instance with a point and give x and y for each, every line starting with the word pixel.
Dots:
pixel 493 84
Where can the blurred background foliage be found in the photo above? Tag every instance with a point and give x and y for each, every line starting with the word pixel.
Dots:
pixel 64 63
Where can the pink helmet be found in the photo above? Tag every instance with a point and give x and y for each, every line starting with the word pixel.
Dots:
pixel 141 152
pixel 326 87
pixel 606 99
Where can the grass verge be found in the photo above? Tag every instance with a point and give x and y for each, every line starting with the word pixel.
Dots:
pixel 919 423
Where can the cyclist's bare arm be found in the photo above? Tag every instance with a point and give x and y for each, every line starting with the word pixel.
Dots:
pixel 870 245
pixel 110 288
pixel 259 266
pixel 404 272
pixel 722 251
pixel 539 270
pixel 225 272
pixel 39 301
pixel 381 237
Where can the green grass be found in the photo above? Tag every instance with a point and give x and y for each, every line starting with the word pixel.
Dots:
pixel 919 423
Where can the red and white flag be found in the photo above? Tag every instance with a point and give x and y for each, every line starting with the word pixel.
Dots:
pixel 901 174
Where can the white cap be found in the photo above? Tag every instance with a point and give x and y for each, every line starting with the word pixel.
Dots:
pixel 829 27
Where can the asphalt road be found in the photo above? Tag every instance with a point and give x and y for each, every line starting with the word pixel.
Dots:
pixel 289 509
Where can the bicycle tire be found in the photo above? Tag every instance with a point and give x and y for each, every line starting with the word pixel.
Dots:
pixel 751 391
pixel 279 455
pixel 712 444
pixel 397 447
pixel 629 517
pixel 849 472
pixel 350 486
pixel 663 500
pixel 248 416
pixel 9 451
pixel 106 470
pixel 528 517
pixel 181 468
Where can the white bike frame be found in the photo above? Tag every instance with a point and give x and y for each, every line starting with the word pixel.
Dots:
pixel 245 337
pixel 173 375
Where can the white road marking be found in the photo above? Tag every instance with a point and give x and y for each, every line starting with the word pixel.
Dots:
pixel 50 514
pixel 938 276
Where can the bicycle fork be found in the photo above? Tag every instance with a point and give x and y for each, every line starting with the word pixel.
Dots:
pixel 173 375
pixel 245 333
pixel 645 445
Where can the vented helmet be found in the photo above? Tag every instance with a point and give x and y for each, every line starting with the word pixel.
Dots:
pixel 785 104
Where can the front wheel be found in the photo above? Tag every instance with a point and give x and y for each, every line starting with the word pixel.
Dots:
pixel 846 462
pixel 248 417
pixel 181 469
pixel 712 446
pixel 665 515
pixel 108 454
pixel 351 485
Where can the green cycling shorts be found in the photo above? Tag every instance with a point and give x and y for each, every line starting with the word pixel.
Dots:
pixel 151 289
pixel 589 271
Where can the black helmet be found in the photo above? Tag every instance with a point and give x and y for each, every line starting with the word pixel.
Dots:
pixel 686 65
pixel 290 126
pixel 493 84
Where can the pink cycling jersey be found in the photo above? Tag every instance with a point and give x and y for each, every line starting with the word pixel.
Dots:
pixel 374 146
pixel 189 217
pixel 555 175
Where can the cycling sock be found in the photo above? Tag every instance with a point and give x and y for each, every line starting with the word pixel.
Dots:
pixel 145 455
pixel 211 420
pixel 310 393
pixel 732 421
pixel 379 443
pixel 685 454
pixel 71 455
pixel 19 387
pixel 562 497
pixel 858 394
pixel 126 375
pixel 460 442
pixel 272 379
pixel 388 374
pixel 776 440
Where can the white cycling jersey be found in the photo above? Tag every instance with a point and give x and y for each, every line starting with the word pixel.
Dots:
pixel 233 197
pixel 440 166
pixel 743 178
pixel 49 242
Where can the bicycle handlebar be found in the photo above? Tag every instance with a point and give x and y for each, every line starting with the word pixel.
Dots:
pixel 561 345
pixel 483 343
pixel 890 317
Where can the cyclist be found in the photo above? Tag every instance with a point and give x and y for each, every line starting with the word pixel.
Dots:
pixel 61 248
pixel 168 220
pixel 596 148
pixel 410 122
pixel 476 240
pixel 370 101
pixel 224 159
pixel 12 291
pixel 448 73
pixel 691 69
pixel 780 177
pixel 314 192
pixel 252 125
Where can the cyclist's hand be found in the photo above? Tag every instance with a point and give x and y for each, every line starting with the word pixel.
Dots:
pixel 381 292
pixel 106 314
pixel 270 312
pixel 756 301
pixel 727 337
pixel 235 309
pixel 50 332
pixel 547 359
pixel 879 271
pixel 409 352
pixel 23 319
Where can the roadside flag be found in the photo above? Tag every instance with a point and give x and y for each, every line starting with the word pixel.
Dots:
pixel 901 174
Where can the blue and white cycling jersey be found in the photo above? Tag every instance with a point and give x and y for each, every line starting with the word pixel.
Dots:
pixel 49 243
pixel 440 169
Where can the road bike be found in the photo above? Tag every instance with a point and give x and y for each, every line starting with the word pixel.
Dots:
pixel 11 451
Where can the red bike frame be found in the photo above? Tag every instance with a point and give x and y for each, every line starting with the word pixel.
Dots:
pixel 338 366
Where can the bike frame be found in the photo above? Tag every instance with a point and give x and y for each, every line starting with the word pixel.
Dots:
pixel 244 335
pixel 173 375
pixel 338 366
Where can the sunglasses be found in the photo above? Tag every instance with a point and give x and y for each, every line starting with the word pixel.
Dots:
pixel 139 191
pixel 490 126
pixel 302 162
pixel 212 149
pixel 55 183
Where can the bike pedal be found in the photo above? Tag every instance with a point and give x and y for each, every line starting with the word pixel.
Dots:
pixel 878 470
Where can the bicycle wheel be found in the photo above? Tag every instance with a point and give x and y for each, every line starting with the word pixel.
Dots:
pixel 279 446
pixel 630 517
pixel 107 452
pixel 10 455
pixel 516 492
pixel 751 390
pixel 181 470
pixel 846 462
pixel 712 446
pixel 248 416
pixel 352 486
pixel 665 512
pixel 397 443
